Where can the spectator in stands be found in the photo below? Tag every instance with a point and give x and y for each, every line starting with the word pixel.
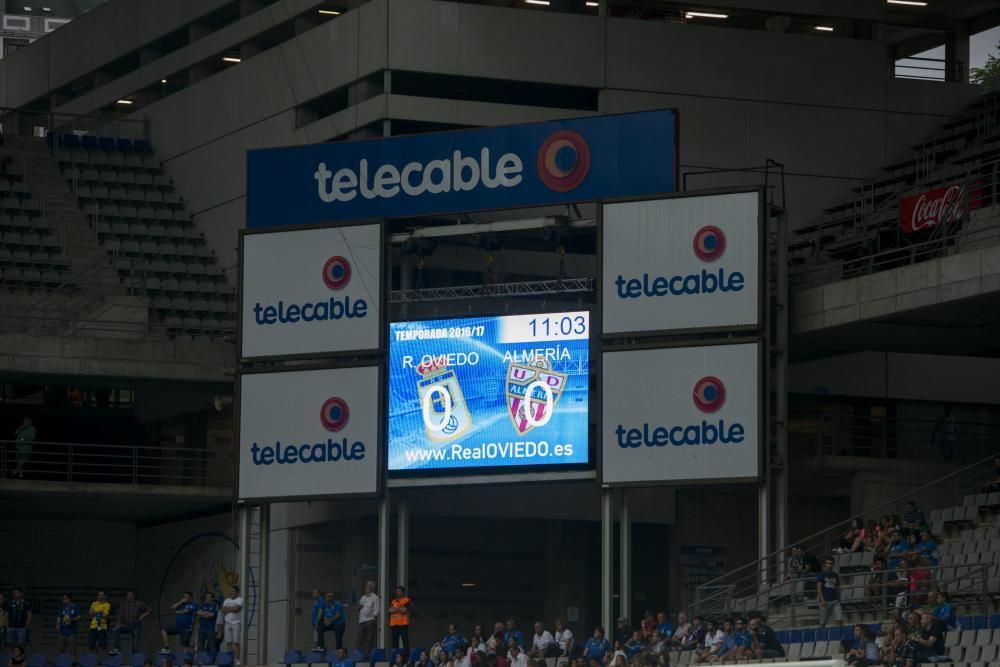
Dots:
pixel 738 643
pixel 714 639
pixel 4 618
pixel 913 518
pixel 695 635
pixel 921 581
pixel 24 437
pixel 476 645
pixel 452 640
pixel 946 434
pixel 516 656
pixel 368 614
pixel 855 538
pixel 17 657
pixel 681 630
pixel 207 613
pixel 634 646
pixel 664 626
pixel 564 639
pixel 623 632
pixel 647 624
pixel 883 535
pixel 513 633
pixel 69 616
pixel 424 660
pixel 892 650
pixel 399 619
pixel 183 625
pixel 765 639
pixel 131 613
pixel 543 644
pixel 897 551
pixel 331 620
pixel 100 614
pixel 994 485
pixel 342 660
pixel 232 622
pixel 925 643
pixel 597 646
pixel 802 568
pixel 926 547
pixel 18 619
pixel 875 582
pixel 319 602
pixel 863 651
pixel 944 611
pixel 828 594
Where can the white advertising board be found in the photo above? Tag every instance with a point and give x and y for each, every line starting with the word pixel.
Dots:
pixel 309 433
pixel 311 292
pixel 681 263
pixel 681 414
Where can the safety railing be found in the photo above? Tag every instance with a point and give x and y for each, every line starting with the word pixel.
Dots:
pixel 115 464
pixel 761 575
pixel 928 69
pixel 794 601
pixel 25 123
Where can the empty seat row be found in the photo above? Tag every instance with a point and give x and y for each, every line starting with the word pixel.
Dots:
pixel 115 174
pixel 92 142
pixel 128 193
pixel 111 211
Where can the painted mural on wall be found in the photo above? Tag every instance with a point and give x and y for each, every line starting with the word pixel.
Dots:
pixel 205 563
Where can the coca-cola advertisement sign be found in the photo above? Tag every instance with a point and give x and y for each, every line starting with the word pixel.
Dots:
pixel 941 206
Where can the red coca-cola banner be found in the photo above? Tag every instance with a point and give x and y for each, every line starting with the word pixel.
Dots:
pixel 941 206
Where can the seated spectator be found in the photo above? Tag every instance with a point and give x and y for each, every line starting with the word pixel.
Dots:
pixel 875 583
pixel 461 658
pixel 597 646
pixel 619 660
pixel 944 612
pixel 17 658
pixel 926 547
pixel 476 644
pixel 664 626
pixel 619 650
pixel 623 631
pixel 913 518
pixel 543 644
pixel 695 636
pixel 892 650
pixel 516 656
pixel 648 624
pixel 494 645
pixel 924 644
pixel 635 645
pixel 994 485
pixel 897 550
pixel 921 581
pixel 452 640
pixel 398 661
pixel 681 630
pixel 855 538
pixel 424 660
pixel 765 639
pixel 513 633
pixel 342 660
pixel 656 651
pixel 715 637
pixel 738 644
pixel 564 638
pixel 864 651
pixel 883 535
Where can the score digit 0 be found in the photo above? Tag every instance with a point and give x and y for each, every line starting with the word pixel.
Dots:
pixel 529 414
pixel 426 408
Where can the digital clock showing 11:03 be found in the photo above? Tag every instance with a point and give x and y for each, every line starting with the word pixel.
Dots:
pixel 481 392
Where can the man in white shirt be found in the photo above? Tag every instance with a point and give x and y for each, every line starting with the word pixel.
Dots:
pixel 563 638
pixel 517 657
pixel 542 644
pixel 462 658
pixel 232 622
pixel 368 611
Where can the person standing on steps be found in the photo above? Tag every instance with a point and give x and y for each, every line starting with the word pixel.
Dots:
pixel 399 619
pixel 368 613
pixel 24 436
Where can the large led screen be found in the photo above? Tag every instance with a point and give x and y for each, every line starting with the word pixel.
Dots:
pixel 489 392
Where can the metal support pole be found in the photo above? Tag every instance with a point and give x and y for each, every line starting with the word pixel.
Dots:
pixel 779 479
pixel 383 567
pixel 262 585
pixel 244 568
pixel 762 529
pixel 402 542
pixel 625 559
pixel 607 559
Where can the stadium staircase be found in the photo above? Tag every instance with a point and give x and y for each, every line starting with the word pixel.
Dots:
pixel 95 239
pixel 860 234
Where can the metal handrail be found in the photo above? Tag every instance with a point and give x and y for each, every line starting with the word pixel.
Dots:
pixel 747 579
pixel 118 464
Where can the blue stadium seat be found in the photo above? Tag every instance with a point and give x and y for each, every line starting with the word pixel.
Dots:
pixel 142 146
pixel 107 143
pixel 114 660
pixel 123 144
pixel 224 659
pixel 794 636
pixel 137 659
pixel 63 660
pixel 378 655
pixel 158 660
pixel 415 655
pixel 37 660
pixel 315 658
pixel 88 660
pixel 965 623
pixel 70 139
pixel 995 621
pixel 823 634
pixel 203 658
pixel 782 636
pixel 808 635
pixel 88 141
pixel 979 622
pixel 50 138
pixel 355 655
pixel 292 657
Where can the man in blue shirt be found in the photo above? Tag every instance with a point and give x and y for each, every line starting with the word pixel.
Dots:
pixel 207 613
pixel 664 626
pixel 184 614
pixel 317 613
pixel 513 632
pixel 453 640
pixel 342 660
pixel 69 615
pixel 332 619
pixel 828 594
pixel 597 646
pixel 738 643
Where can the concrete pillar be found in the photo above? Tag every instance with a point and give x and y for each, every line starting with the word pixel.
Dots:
pixel 607 560
pixel 625 559
pixel 383 568
pixel 263 589
pixel 402 543
pixel 244 568
pixel 957 53
pixel 763 528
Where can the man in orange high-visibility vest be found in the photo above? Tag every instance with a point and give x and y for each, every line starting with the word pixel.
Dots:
pixel 399 621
